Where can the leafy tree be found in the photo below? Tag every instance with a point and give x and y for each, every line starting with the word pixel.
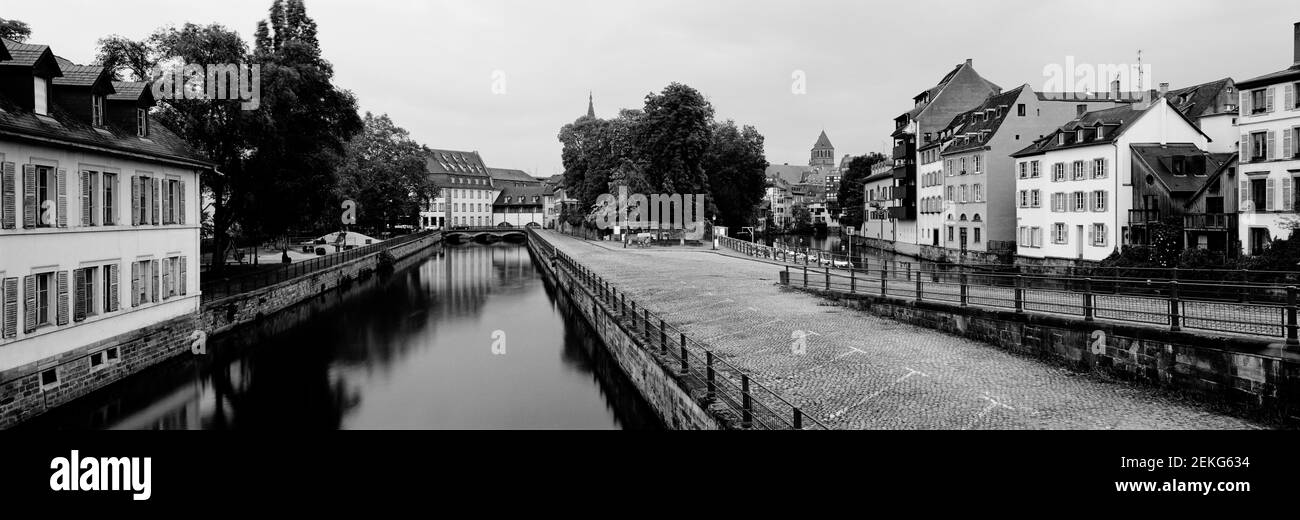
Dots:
pixel 801 219
pixel 127 59
pixel 851 182
pixel 736 168
pixel 384 173
pixel 15 30
pixel 672 137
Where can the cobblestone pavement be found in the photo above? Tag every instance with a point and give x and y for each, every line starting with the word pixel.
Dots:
pixel 861 371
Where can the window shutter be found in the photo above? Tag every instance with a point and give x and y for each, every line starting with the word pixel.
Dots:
pixel 1244 107
pixel 154 205
pixel 1092 169
pixel 9 308
pixel 1105 167
pixel 1287 144
pixel 1290 96
pixel 79 301
pixel 1244 195
pixel 1286 194
pixel 181 197
pixel 1105 236
pixel 1244 148
pixel 1092 235
pixel 7 202
pixel 29 303
pixel 1271 151
pixel 135 284
pixel 153 280
pixel 29 196
pixel 166 278
pixel 61 183
pixel 183 278
pixel 61 281
pixel 1270 194
pixel 165 203
pixel 111 287
pixel 117 195
pixel 1268 101
pixel 135 200
pixel 85 198
pixel 1092 200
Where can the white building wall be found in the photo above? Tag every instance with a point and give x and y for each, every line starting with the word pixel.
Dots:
pixel 1278 170
pixel 929 222
pixel 25 252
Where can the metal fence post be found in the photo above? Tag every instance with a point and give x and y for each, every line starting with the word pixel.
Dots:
pixel 645 323
pixel 884 283
pixel 920 291
pixel 828 278
pixel 1175 320
pixel 853 280
pixel 1087 299
pixel 663 337
pixel 965 290
pixel 708 363
pixel 685 363
pixel 805 276
pixel 1292 329
pixel 747 407
pixel 798 419
pixel 1020 293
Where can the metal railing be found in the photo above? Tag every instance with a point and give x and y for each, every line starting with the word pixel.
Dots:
pixel 750 402
pixel 218 288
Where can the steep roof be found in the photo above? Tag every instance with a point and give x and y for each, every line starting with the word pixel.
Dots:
pixel 522 195
pixel 82 76
pixel 1290 73
pixel 508 175
pixel 24 54
pixel 788 173
pixel 1159 161
pixel 455 162
pixel 1115 120
pixel 4 52
pixel 975 127
pixel 130 91
pixel 823 141
pixel 1195 100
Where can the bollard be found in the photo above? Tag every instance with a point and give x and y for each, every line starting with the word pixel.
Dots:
pixel 805 276
pixel 1087 300
pixel 1020 293
pixel 745 405
pixel 1175 320
pixel 1292 328
pixel 685 364
pixel 828 279
pixel 712 387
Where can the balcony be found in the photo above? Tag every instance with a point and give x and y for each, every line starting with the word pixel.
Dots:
pixel 905 151
pixel 905 171
pixel 1210 221
pixel 1142 217
pixel 902 213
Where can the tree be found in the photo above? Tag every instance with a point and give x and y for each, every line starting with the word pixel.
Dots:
pixel 736 171
pixel 801 219
pixel 851 183
pixel 672 137
pixel 126 59
pixel 15 30
pixel 384 173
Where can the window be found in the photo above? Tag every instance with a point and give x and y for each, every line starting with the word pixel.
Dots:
pixel 1099 200
pixel 1259 146
pixel 1059 234
pixel 979 193
pixel 1024 198
pixel 45 194
pixel 950 233
pixel 49 378
pixel 977 235
pixel 1257 195
pixel 1078 170
pixel 1033 169
pixel 1259 101
pixel 108 185
pixel 1020 110
pixel 1099 235
pixel 1024 170
pixel 84 301
pixel 1101 132
pixel 963 166
pixel 1099 168
pixel 142 122
pixel 1034 199
pixel 41 96
pixel 143 194
pixel 977 163
pixel 1060 138
pixel 144 287
pixel 97 110
pixel 964 192
pixel 1058 172
pixel 1080 201
pixel 109 283
pixel 44 302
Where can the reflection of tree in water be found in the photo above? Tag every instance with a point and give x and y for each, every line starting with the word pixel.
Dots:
pixel 281 388
pixel 584 351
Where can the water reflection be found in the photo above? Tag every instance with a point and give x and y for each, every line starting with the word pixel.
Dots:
pixel 408 351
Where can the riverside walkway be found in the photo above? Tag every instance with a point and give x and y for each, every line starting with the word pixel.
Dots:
pixel 860 371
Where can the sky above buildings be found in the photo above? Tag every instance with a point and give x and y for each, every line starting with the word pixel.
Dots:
pixel 502 76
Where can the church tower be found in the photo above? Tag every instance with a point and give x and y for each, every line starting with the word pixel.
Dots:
pixel 823 153
pixel 591 106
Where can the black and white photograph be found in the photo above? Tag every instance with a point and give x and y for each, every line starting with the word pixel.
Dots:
pixel 825 229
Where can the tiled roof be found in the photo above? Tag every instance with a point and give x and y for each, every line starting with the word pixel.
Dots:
pixel 67 130
pixel 23 54
pixel 1158 160
pixel 1115 119
pixel 4 52
pixel 77 75
pixel 508 175
pixel 455 162
pixel 1195 100
pixel 823 141
pixel 976 121
pixel 513 193
pixel 128 90
pixel 788 173
pixel 1286 74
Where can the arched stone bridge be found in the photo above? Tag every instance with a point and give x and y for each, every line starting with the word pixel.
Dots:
pixel 484 234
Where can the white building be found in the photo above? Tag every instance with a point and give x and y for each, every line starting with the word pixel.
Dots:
pixel 1078 206
pixel 521 206
pixel 99 230
pixel 930 207
pixel 467 190
pixel 1269 126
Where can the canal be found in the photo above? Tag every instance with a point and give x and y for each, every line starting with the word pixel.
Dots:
pixel 471 336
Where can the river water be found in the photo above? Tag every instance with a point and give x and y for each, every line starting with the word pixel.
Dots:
pixel 469 337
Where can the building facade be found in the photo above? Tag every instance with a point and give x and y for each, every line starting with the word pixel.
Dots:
pixel 522 206
pixel 99 231
pixel 466 187
pixel 1269 162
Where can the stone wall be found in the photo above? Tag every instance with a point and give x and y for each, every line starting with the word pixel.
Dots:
pixel 24 397
pixel 669 395
pixel 1250 374
pixel 218 316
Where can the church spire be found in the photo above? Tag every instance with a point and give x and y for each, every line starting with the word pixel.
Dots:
pixel 591 105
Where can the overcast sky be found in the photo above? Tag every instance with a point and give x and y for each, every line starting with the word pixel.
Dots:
pixel 429 64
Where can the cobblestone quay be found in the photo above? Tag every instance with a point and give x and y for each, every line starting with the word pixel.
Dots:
pixel 861 371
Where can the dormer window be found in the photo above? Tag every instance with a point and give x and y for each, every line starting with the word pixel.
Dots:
pixel 1060 138
pixel 141 122
pixel 1078 135
pixel 41 95
pixel 97 110
pixel 1101 132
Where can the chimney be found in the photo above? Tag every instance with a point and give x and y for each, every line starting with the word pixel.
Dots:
pixel 1297 43
pixel 1164 89
pixel 1114 90
pixel 1297 29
